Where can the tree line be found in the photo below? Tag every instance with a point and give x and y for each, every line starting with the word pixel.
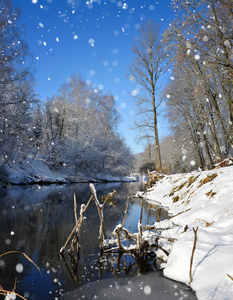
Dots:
pixel 76 129
pixel 197 50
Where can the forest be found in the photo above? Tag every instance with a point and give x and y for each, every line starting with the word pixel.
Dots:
pixel 77 128
pixel 196 53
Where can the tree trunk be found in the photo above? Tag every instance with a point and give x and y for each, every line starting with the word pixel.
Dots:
pixel 157 148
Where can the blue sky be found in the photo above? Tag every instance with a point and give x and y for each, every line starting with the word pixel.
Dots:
pixel 93 39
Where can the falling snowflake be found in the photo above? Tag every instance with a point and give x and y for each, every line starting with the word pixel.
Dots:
pixel 91 41
pixel 192 163
pixel 147 290
pixel 19 268
pixel 125 6
pixel 227 43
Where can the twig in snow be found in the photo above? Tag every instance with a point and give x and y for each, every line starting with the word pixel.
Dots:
pixel 207 224
pixel 194 248
pixel 165 251
pixel 228 211
pixel 230 276
pixel 181 213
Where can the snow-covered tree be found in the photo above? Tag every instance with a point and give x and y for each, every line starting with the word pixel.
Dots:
pixel 81 130
pixel 16 91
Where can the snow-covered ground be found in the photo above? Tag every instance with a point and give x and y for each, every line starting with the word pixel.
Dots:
pixel 203 200
pixel 33 171
pixel 38 171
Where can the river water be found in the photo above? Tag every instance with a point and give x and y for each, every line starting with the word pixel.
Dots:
pixel 36 220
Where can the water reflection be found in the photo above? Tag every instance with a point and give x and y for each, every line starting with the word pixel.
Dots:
pixel 37 221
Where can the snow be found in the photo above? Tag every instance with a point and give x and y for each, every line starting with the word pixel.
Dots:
pixel 34 171
pixel 95 195
pixel 203 200
pixel 10 296
pixel 38 171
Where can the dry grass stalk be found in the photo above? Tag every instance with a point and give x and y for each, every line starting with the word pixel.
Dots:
pixel 165 251
pixel 228 211
pixel 7 293
pixel 140 249
pixel 182 212
pixel 210 194
pixel 119 227
pixel 78 222
pixel 75 210
pixel 28 258
pixel 207 179
pixel 129 235
pixel 75 228
pixel 118 239
pixel 207 224
pixel 75 238
pixel 192 256
pixel 126 211
pixel 100 208
pixel 140 229
pixel 100 212
pixel 230 276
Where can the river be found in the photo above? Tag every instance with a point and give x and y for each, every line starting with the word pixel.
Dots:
pixel 36 220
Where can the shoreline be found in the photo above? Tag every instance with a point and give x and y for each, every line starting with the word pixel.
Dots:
pixel 201 209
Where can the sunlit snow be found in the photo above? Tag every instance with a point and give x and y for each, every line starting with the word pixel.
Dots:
pixel 204 202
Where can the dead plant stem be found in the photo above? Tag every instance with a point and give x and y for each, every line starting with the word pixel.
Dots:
pixel 192 256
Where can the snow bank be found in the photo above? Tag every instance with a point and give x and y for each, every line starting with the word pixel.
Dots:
pixel 37 171
pixel 34 171
pixel 203 200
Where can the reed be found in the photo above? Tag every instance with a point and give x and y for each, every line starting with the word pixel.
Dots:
pixel 6 293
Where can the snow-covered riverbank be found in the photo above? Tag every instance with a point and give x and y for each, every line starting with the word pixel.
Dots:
pixel 203 200
pixel 37 171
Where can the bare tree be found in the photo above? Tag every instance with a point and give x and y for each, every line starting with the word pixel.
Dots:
pixel 148 67
pixel 201 34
